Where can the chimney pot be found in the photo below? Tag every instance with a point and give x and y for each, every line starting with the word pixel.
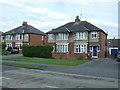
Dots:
pixel 24 23
pixel 77 19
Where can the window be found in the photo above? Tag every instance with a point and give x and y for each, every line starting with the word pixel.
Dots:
pixel 62 48
pixel 42 37
pixel 18 37
pixel 62 36
pixel 80 48
pixel 8 37
pixel 8 45
pixel 19 45
pixel 25 43
pixel 26 36
pixel 80 36
pixel 51 36
pixel 93 34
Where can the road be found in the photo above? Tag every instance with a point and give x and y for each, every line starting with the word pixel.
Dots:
pixel 16 77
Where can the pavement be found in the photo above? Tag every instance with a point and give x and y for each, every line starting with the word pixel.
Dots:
pixel 98 67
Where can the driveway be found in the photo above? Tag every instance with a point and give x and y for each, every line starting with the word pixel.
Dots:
pixel 12 55
pixel 97 67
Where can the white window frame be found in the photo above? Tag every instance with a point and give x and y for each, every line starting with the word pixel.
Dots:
pixel 26 36
pixel 80 35
pixel 51 36
pixel 62 36
pixel 62 47
pixel 94 35
pixel 82 47
pixel 18 45
pixel 8 45
pixel 17 37
pixel 8 37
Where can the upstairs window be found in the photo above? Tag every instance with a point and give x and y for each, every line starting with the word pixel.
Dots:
pixel 8 37
pixel 18 37
pixel 93 34
pixel 51 36
pixel 80 36
pixel 63 36
pixel 26 36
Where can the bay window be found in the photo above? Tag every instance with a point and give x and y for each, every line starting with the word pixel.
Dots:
pixel 8 37
pixel 80 47
pixel 63 36
pixel 26 36
pixel 19 45
pixel 62 47
pixel 18 37
pixel 80 36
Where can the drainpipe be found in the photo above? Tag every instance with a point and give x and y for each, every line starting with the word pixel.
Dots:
pixel 88 49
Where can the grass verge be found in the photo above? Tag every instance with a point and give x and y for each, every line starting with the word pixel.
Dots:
pixel 47 60
pixel 25 65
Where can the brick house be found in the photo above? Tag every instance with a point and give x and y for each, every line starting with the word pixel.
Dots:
pixel 75 39
pixel 24 35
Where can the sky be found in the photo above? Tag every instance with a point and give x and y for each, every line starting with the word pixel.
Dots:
pixel 46 15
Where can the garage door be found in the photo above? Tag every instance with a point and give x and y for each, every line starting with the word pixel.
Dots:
pixel 113 51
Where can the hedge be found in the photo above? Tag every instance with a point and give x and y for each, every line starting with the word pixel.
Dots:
pixel 43 51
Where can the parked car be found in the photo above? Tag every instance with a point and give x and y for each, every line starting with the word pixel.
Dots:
pixel 13 50
pixel 118 56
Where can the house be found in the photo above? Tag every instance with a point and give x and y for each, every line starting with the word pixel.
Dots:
pixel 113 46
pixel 24 35
pixel 75 39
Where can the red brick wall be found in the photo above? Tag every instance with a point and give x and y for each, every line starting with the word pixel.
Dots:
pixel 102 39
pixel 71 56
pixel 35 39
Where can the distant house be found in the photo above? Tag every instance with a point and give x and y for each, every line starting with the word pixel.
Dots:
pixel 24 35
pixel 113 46
pixel 1 36
pixel 75 39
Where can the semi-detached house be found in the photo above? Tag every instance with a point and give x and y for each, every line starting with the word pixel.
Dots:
pixel 75 39
pixel 24 35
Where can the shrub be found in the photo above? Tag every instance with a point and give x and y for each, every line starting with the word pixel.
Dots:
pixel 43 51
pixel 81 58
pixel 5 52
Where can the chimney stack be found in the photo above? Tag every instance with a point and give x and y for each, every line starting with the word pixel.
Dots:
pixel 24 24
pixel 77 19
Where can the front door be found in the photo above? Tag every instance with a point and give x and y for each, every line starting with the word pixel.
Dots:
pixel 95 54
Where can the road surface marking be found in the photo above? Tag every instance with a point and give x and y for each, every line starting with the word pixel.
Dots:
pixel 6 78
pixel 50 86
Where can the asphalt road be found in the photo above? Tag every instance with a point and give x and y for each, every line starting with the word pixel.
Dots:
pixel 14 77
pixel 99 67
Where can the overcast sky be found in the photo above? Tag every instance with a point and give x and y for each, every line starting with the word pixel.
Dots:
pixel 48 14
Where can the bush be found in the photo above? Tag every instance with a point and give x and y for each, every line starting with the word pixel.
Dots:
pixel 43 51
pixel 81 58
pixel 5 52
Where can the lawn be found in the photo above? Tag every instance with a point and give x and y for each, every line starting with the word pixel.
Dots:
pixel 47 60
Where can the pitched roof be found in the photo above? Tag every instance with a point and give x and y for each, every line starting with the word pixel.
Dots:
pixel 113 42
pixel 76 27
pixel 27 29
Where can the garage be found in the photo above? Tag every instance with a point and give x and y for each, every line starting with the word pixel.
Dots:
pixel 113 51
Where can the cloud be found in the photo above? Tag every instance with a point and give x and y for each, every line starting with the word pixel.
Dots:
pixel 100 22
